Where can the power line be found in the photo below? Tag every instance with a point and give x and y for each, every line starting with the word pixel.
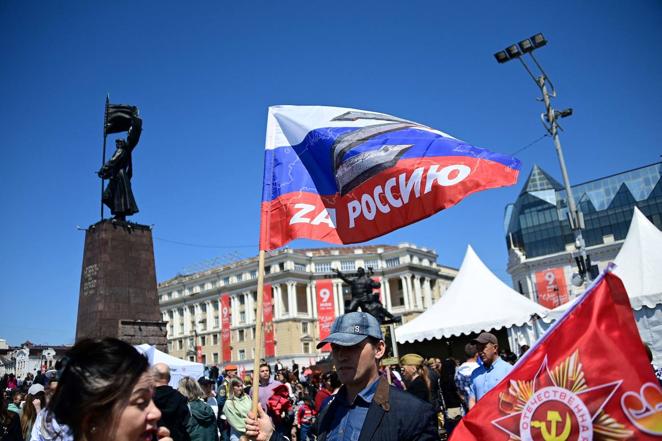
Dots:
pixel 530 144
pixel 198 245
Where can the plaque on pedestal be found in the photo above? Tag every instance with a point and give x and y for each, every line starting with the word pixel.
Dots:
pixel 118 295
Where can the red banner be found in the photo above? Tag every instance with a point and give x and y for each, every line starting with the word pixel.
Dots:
pixel 551 287
pixel 325 309
pixel 226 354
pixel 588 378
pixel 268 322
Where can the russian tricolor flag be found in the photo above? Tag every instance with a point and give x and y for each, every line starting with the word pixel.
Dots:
pixel 343 175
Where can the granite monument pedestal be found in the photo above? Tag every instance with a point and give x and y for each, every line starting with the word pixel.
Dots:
pixel 118 294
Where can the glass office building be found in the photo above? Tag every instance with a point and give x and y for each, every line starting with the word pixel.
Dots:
pixel 537 223
pixel 538 234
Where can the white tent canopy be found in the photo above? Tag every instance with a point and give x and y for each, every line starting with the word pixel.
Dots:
pixel 475 301
pixel 639 263
pixel 178 368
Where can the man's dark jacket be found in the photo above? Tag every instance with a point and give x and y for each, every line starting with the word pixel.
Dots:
pixel 393 415
pixel 174 412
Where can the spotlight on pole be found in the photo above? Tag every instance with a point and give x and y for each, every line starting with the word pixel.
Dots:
pixel 538 40
pixel 501 57
pixel 526 46
pixel 513 51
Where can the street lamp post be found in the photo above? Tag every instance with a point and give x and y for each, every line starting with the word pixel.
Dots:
pixel 550 122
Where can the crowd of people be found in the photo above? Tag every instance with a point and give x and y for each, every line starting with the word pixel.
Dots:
pixel 105 390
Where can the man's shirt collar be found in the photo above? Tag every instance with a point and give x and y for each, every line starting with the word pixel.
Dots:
pixel 366 395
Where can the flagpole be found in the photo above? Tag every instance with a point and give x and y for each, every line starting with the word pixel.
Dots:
pixel 103 154
pixel 258 332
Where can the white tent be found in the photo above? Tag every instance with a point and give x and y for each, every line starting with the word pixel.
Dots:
pixel 639 265
pixel 475 301
pixel 178 368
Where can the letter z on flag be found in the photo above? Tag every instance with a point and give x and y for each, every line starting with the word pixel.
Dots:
pixel 587 378
pixel 344 176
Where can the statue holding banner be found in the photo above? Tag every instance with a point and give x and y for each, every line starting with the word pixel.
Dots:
pixel 363 297
pixel 118 195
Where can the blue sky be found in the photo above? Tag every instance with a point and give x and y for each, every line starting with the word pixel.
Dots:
pixel 204 73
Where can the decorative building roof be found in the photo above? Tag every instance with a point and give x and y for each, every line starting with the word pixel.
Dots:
pixel 537 223
pixel 539 180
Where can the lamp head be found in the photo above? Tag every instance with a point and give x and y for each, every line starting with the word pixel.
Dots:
pixel 525 46
pixel 513 51
pixel 538 40
pixel 501 57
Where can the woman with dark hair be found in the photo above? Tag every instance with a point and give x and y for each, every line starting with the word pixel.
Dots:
pixel 10 425
pixel 104 393
pixel 450 398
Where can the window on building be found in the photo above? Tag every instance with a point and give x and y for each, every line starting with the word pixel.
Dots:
pixel 347 265
pixel 203 340
pixel 242 300
pixel 242 354
pixel 241 335
pixel 180 344
pixel 301 267
pixel 374 264
pixel 253 274
pixel 214 339
pixel 304 327
pixel 306 347
pixel 226 281
pixel 214 357
pixel 392 262
pixel 191 358
pixel 323 267
pixel 242 317
pixel 216 322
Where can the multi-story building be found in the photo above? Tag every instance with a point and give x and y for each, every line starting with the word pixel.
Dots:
pixel 410 279
pixel 538 235
pixel 29 358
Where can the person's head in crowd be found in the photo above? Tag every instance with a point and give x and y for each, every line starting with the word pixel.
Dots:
pixel 105 393
pixel 236 388
pixel 331 381
pixel 206 386
pixel 18 397
pixel 161 374
pixel 281 376
pixel 292 378
pixel 357 345
pixel 190 389
pixel 523 349
pixel 248 380
pixel 488 348
pixel 265 373
pixel 230 371
pixel 413 366
pixel 471 351
pixel 50 388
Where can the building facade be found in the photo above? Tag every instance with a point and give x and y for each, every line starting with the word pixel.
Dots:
pixel 29 358
pixel 410 279
pixel 540 243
